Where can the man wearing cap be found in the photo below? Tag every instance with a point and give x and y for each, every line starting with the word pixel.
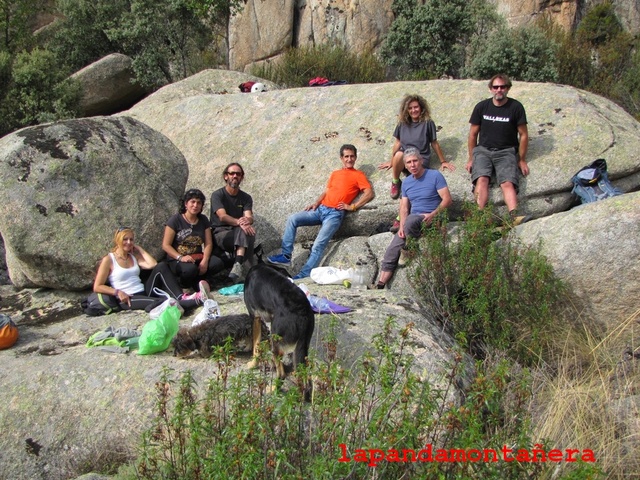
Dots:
pixel 498 141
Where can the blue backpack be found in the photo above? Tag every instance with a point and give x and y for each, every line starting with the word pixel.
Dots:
pixel 591 183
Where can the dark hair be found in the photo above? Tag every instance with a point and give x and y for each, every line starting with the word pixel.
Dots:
pixel 226 169
pixel 403 115
pixel 502 77
pixel 188 195
pixel 348 146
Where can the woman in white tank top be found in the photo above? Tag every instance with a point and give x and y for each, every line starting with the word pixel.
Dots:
pixel 119 276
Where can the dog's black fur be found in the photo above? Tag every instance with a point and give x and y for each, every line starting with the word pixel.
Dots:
pixel 271 297
pixel 211 333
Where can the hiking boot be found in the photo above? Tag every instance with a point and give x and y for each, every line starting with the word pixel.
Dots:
pixel 236 272
pixel 205 291
pixel 404 258
pixel 519 220
pixel 513 220
pixel 395 189
pixel 279 260
pixel 376 286
pixel 395 227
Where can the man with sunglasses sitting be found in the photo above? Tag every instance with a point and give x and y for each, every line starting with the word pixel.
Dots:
pixel 232 219
pixel 498 141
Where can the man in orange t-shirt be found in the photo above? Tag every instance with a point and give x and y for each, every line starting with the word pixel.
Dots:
pixel 329 210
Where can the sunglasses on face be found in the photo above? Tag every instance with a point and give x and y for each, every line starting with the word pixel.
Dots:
pixel 499 87
pixel 234 174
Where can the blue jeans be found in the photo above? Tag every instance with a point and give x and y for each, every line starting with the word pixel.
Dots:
pixel 328 217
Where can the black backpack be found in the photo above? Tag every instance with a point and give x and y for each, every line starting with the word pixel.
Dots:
pixel 98 304
pixel 591 183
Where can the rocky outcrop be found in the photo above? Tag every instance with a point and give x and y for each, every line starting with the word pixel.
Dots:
pixel 68 186
pixel 288 142
pixel 260 31
pixel 67 401
pixel 264 30
pixel 108 86
pixel 595 249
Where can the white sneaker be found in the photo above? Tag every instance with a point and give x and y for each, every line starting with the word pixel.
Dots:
pixel 205 291
pixel 210 311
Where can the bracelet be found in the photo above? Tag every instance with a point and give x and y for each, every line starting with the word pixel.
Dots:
pixel 178 258
pixel 115 292
pixel 353 209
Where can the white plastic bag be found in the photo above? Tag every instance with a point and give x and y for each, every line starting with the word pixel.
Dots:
pixel 210 311
pixel 170 301
pixel 330 275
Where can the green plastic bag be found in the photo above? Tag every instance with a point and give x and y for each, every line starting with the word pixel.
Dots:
pixel 157 334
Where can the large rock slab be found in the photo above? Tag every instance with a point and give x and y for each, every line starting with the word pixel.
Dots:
pixel 108 86
pixel 85 406
pixel 595 249
pixel 68 186
pixel 288 141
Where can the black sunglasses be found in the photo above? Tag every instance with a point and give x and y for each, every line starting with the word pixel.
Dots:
pixel 234 174
pixel 500 87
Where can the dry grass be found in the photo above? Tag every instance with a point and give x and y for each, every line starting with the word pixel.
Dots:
pixel 590 399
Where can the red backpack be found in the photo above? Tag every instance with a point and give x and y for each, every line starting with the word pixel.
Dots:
pixel 246 87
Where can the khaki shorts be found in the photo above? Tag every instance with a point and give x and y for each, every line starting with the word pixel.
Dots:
pixel 503 163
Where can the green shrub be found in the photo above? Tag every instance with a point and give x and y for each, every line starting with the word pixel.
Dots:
pixel 235 429
pixel 524 53
pixel 299 65
pixel 490 294
pixel 39 91
pixel 600 25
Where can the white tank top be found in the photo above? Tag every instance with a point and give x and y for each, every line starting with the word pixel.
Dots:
pixel 126 279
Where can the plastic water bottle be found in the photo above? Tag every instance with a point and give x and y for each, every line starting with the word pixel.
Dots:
pixel 304 288
pixel 212 309
pixel 319 304
pixel 358 278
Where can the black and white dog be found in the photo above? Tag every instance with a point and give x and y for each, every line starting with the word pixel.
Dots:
pixel 271 297
pixel 199 339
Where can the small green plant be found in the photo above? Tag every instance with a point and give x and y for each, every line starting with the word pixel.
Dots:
pixel 497 294
pixel 299 65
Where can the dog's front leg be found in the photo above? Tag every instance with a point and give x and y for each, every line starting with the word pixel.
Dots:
pixel 257 336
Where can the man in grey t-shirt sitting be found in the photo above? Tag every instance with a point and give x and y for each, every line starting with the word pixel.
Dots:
pixel 232 219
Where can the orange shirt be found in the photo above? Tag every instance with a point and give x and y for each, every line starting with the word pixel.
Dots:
pixel 344 185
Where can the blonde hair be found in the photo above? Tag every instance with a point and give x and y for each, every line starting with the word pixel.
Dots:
pixel 118 237
pixel 403 115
